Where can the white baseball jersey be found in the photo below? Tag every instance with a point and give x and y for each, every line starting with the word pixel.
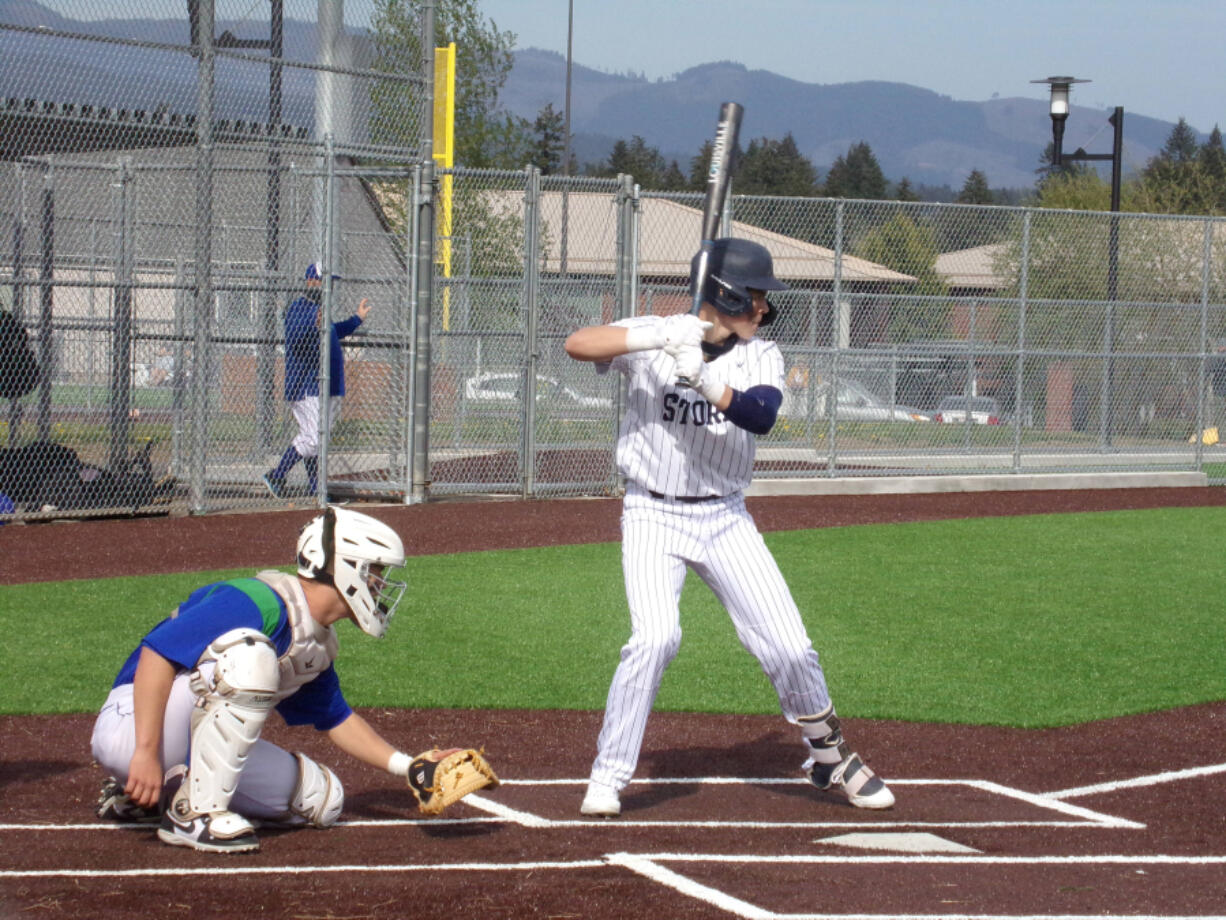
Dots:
pixel 673 445
pixel 672 441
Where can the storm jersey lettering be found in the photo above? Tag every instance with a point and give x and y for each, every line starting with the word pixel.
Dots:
pixel 674 442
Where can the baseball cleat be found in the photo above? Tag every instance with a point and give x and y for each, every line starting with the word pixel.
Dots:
pixel 601 800
pixel 114 805
pixel 218 832
pixel 275 486
pixel 852 778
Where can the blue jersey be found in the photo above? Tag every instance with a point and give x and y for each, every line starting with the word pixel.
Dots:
pixel 302 349
pixel 242 603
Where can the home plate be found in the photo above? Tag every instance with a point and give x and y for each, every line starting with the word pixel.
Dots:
pixel 898 843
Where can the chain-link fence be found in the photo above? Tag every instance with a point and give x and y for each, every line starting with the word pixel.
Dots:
pixel 164 185
pixel 919 338
pixel 160 216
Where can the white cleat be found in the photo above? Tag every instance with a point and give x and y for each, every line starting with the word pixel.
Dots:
pixel 853 778
pixel 601 800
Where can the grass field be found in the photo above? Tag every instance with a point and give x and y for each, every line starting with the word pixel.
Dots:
pixel 1027 621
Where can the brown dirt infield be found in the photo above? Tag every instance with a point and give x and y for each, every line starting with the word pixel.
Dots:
pixel 683 847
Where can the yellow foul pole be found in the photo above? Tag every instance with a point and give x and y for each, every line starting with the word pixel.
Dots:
pixel 444 157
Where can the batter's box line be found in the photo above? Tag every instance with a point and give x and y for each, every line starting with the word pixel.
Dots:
pixel 1085 816
pixel 1154 779
pixel 648 866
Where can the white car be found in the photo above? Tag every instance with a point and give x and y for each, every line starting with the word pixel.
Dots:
pixel 982 410
pixel 495 387
pixel 856 403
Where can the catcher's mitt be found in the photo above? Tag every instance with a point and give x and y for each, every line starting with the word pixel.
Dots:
pixel 441 778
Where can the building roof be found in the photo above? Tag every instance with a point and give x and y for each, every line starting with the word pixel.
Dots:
pixel 972 268
pixel 669 233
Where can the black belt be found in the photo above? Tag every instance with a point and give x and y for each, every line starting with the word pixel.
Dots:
pixel 688 499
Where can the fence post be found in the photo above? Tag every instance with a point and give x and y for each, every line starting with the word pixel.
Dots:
pixel 1019 370
pixel 423 303
pixel 46 279
pixel 202 340
pixel 121 325
pixel 409 353
pixel 330 265
pixel 1205 276
pixel 624 304
pixel 531 308
pixel 836 325
pixel 15 405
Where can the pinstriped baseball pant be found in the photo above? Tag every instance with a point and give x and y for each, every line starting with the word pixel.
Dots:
pixel 720 542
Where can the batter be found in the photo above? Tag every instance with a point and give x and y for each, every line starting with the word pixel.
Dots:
pixel 686 451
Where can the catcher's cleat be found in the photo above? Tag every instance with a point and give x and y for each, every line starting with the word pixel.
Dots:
pixel 853 778
pixel 275 486
pixel 601 801
pixel 219 832
pixel 115 805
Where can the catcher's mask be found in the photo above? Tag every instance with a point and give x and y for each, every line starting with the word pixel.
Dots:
pixel 355 553
pixel 736 268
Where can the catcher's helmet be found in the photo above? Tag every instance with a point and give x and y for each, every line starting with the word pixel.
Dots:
pixel 737 267
pixel 341 547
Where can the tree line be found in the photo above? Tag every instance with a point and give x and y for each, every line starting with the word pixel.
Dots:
pixel 1184 178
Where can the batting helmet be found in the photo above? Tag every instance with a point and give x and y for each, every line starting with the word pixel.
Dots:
pixel 737 267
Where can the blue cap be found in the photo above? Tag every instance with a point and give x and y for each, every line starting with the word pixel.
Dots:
pixel 315 272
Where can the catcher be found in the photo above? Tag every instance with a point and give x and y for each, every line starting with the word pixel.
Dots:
pixel 180 731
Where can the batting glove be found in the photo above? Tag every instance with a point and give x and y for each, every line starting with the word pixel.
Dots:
pixel 669 333
pixel 691 372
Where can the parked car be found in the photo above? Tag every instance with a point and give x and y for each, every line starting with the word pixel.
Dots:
pixel 856 403
pixel 496 387
pixel 983 410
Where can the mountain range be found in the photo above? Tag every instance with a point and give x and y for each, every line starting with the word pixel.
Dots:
pixel 926 137
pixel 929 138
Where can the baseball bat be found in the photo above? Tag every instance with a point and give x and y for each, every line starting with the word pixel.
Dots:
pixel 719 172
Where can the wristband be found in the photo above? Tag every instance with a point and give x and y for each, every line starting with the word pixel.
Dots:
pixel 643 338
pixel 398 764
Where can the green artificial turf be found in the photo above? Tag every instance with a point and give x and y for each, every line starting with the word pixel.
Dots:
pixel 1028 621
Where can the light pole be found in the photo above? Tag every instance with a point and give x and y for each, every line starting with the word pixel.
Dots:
pixel 1059 114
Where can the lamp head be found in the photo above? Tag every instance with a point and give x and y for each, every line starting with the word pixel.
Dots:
pixel 1059 95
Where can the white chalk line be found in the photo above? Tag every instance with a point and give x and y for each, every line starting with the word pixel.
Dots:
pixel 508 816
pixel 1155 779
pixel 500 812
pixel 648 865
pixel 302 870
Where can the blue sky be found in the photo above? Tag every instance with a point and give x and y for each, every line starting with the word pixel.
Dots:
pixel 1161 58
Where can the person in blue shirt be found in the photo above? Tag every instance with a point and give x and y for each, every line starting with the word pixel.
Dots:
pixel 302 318
pixel 179 733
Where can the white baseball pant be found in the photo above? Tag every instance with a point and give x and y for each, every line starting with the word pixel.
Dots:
pixel 720 542
pixel 265 785
pixel 306 415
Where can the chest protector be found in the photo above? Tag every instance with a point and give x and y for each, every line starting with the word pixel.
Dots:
pixel 313 647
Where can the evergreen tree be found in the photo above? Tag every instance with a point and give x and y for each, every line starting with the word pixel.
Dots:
pixel 697 179
pixel 550 140
pixel 975 190
pixel 905 192
pixel 674 179
pixel 646 164
pixel 1179 180
pixel 1181 146
pixel 1212 158
pixel 858 175
pixel 772 167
